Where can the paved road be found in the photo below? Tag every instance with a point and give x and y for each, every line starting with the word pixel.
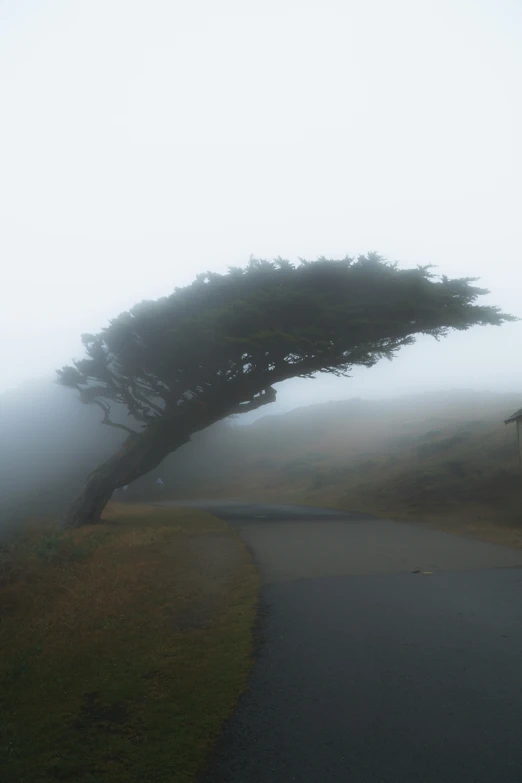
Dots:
pixel 367 672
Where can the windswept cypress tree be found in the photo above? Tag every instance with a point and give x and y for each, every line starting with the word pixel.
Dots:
pixel 217 347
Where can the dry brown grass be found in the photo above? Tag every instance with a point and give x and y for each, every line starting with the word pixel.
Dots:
pixel 124 646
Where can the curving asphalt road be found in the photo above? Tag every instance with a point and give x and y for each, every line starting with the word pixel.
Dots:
pixel 387 653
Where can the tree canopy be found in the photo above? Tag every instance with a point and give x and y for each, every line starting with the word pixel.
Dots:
pixel 219 345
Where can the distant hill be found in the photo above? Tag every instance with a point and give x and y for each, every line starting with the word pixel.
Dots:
pixel 437 455
pixel 446 457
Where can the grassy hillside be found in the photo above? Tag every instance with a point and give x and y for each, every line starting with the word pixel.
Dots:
pixel 446 458
pixel 124 646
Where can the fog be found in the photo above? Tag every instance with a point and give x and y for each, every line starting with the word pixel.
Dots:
pixel 144 143
pixel 451 444
pixel 49 443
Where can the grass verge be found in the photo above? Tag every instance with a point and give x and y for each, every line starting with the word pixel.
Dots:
pixel 124 646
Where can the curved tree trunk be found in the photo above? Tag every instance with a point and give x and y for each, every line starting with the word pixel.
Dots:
pixel 138 455
pixel 143 452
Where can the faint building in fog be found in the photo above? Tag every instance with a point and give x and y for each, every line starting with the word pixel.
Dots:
pixel 517 417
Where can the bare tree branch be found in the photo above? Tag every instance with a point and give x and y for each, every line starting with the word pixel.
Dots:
pixel 106 420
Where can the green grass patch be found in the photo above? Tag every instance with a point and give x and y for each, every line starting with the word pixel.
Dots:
pixel 124 646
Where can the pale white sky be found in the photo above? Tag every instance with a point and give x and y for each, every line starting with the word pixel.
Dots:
pixel 144 142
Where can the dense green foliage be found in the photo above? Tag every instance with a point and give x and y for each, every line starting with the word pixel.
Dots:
pixel 223 341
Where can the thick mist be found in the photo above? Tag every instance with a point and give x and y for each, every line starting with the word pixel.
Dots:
pixel 184 146
pixel 242 461
pixel 49 442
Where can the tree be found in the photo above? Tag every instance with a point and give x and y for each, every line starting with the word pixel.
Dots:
pixel 217 347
